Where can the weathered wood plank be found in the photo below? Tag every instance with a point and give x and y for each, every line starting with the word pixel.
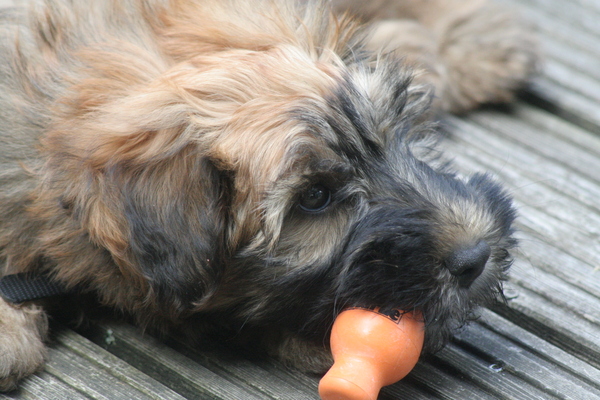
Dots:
pixel 495 381
pixel 44 386
pixel 554 324
pixel 68 342
pixel 534 369
pixel 168 366
pixel 437 381
pixel 97 373
pixel 579 13
pixel 557 148
pixel 569 105
pixel 251 374
pixel 535 344
pixel 571 49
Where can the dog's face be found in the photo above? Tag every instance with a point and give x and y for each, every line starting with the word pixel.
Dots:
pixel 272 187
pixel 350 207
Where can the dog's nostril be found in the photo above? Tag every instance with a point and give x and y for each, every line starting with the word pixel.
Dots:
pixel 468 262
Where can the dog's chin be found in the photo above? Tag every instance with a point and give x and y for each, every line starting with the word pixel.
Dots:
pixel 452 306
pixel 487 288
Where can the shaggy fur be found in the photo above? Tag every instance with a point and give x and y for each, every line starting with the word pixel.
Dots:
pixel 251 166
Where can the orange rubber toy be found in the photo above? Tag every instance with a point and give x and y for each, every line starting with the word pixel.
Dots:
pixel 370 350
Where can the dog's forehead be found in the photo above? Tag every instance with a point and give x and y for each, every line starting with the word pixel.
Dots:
pixel 353 120
pixel 363 114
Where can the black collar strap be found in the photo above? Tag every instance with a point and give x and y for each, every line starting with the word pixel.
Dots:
pixel 22 287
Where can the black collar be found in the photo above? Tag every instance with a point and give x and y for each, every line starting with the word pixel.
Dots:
pixel 22 287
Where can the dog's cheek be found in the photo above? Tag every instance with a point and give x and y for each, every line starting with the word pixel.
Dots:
pixel 313 239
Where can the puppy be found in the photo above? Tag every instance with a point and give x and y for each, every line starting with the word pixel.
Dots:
pixel 250 166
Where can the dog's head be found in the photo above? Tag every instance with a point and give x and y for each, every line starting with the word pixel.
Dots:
pixel 359 211
pixel 276 177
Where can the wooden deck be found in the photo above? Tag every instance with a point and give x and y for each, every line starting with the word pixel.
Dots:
pixel 543 344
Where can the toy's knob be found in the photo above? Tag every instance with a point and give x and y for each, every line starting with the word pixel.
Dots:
pixel 370 350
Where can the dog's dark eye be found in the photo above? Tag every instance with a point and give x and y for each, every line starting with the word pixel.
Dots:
pixel 315 198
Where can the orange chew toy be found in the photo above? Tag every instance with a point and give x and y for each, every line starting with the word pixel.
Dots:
pixel 370 350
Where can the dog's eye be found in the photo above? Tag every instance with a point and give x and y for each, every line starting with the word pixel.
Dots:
pixel 315 198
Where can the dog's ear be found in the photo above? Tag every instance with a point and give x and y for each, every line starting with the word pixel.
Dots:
pixel 142 188
pixel 176 226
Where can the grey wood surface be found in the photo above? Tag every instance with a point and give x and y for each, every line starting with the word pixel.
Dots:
pixel 544 343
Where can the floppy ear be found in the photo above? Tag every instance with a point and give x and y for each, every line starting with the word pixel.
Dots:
pixel 161 214
pixel 130 151
pixel 177 223
pixel 163 223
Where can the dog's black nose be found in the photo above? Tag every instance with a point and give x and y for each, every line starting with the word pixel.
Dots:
pixel 468 262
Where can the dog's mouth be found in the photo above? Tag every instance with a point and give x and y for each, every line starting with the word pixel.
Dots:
pixel 445 298
pixel 396 258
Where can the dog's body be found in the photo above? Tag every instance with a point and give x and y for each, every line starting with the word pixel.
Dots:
pixel 249 164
